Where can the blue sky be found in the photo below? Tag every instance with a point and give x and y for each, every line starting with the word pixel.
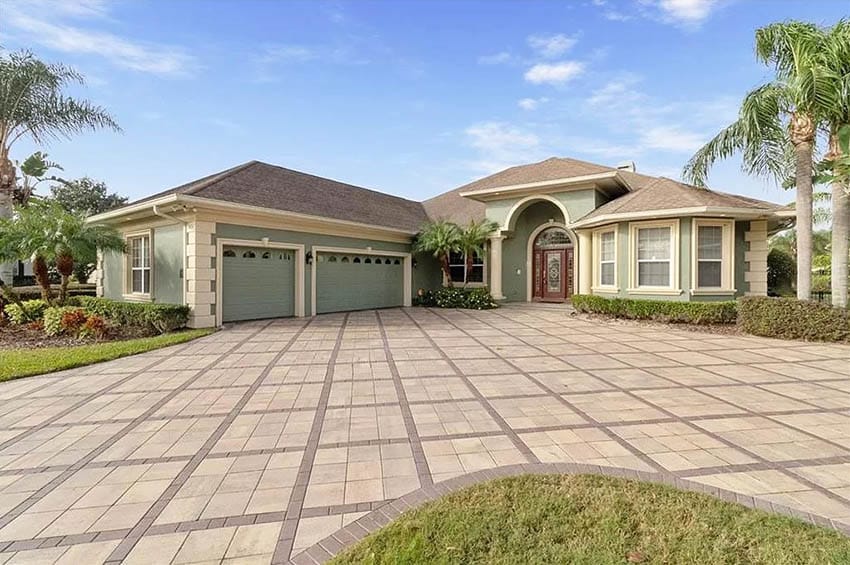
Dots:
pixel 410 98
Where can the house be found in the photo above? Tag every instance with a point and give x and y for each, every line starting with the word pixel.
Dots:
pixel 260 241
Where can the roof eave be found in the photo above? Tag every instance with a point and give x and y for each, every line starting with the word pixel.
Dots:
pixel 716 211
pixel 485 194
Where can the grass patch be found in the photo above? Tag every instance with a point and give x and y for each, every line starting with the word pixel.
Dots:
pixel 15 363
pixel 593 520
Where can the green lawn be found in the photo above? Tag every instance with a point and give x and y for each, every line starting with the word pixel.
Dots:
pixel 593 520
pixel 16 363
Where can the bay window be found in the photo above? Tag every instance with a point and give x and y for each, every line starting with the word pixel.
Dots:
pixel 654 256
pixel 713 251
pixel 606 249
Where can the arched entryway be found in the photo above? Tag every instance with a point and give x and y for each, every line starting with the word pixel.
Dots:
pixel 553 265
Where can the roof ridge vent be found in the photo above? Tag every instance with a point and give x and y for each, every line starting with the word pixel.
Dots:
pixel 626 166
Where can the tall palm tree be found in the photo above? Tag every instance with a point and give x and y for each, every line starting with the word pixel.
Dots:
pixel 834 62
pixel 473 238
pixel 44 232
pixel 777 127
pixel 440 238
pixel 33 105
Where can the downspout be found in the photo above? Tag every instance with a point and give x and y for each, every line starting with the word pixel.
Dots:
pixel 184 282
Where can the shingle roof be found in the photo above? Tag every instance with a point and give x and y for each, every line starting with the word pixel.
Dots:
pixel 269 186
pixel 667 194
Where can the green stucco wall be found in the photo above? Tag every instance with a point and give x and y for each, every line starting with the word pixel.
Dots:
pixel 685 249
pixel 515 248
pixel 113 279
pixel 577 203
pixel 168 250
pixel 425 275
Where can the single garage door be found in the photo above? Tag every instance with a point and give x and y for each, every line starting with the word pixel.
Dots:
pixel 257 283
pixel 358 282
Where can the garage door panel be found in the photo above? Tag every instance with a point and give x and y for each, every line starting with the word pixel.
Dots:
pixel 358 282
pixel 257 283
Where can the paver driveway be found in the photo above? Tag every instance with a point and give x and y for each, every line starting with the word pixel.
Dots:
pixel 253 444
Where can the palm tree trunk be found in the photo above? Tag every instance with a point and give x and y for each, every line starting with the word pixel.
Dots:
pixel 802 133
pixel 840 232
pixel 7 190
pixel 444 265
pixel 65 266
pixel 39 268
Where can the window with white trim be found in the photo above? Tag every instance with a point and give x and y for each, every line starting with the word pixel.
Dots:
pixel 655 256
pixel 607 258
pixel 713 250
pixel 140 264
pixel 458 268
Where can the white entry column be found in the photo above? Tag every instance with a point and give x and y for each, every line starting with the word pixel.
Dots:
pixel 585 262
pixel 496 267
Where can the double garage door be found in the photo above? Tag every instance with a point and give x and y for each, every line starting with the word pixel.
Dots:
pixel 260 283
pixel 350 281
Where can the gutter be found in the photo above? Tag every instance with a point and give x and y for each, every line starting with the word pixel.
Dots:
pixel 158 212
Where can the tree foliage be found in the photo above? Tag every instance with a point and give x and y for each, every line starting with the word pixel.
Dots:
pixel 46 233
pixel 86 196
pixel 440 238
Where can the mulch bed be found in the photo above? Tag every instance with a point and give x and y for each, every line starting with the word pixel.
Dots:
pixel 23 337
pixel 722 329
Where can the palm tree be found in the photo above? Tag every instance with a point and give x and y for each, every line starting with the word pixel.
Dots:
pixel 777 127
pixel 473 238
pixel 33 105
pixel 44 232
pixel 834 63
pixel 440 238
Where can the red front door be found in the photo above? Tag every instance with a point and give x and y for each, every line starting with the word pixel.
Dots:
pixel 553 274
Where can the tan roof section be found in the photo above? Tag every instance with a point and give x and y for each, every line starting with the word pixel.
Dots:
pixel 667 194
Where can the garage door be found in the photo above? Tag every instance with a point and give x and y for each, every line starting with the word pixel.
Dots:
pixel 257 283
pixel 358 282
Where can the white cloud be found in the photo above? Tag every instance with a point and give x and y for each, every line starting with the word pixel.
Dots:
pixel 501 145
pixel 551 46
pixel 616 16
pixel 531 103
pixel 288 54
pixel 687 11
pixel 554 73
pixel 54 34
pixel 671 138
pixel 496 59
pixel 616 92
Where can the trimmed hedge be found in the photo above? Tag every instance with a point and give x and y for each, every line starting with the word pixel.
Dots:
pixel 789 318
pixel 659 310
pixel 457 297
pixel 162 318
pixel 33 310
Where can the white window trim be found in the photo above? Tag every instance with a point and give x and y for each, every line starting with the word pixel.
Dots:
pixel 727 261
pixel 674 287
pixel 597 263
pixel 128 293
pixel 481 284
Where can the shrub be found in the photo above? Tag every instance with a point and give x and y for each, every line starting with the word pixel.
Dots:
pixel 789 318
pixel 56 318
pixel 73 320
pixel 781 272
pixel 157 317
pixel 95 327
pixel 658 310
pixel 32 310
pixel 457 297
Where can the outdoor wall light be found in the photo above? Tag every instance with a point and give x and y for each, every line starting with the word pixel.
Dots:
pixel 414 263
pixel 309 257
